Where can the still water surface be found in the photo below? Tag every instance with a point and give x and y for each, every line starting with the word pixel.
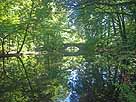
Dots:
pixel 52 78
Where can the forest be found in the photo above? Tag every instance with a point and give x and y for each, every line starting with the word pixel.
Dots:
pixel 67 50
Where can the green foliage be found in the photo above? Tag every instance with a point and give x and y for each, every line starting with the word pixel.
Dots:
pixel 32 34
pixel 127 94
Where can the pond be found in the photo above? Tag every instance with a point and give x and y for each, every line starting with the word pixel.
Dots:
pixel 55 78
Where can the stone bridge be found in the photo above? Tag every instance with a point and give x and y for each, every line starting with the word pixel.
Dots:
pixel 79 47
pixel 68 49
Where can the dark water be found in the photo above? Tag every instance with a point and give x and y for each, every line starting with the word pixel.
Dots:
pixel 53 78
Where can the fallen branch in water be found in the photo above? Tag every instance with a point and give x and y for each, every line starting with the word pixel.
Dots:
pixel 15 54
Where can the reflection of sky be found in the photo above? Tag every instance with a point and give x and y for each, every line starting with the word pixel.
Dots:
pixel 104 75
pixel 74 81
pixel 72 97
pixel 74 84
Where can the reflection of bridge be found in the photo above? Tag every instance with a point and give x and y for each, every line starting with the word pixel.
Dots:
pixel 80 50
pixel 79 46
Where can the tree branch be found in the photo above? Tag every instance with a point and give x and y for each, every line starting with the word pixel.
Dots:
pixel 26 30
pixel 85 4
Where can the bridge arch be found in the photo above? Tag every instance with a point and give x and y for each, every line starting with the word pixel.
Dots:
pixel 80 46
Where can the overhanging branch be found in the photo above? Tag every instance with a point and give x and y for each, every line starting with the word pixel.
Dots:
pixel 85 4
pixel 26 30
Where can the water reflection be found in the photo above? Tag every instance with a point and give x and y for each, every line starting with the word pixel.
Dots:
pixel 73 97
pixel 75 84
pixel 47 78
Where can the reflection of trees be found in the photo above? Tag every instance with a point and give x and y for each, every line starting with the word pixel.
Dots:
pixel 101 83
pixel 97 83
pixel 29 80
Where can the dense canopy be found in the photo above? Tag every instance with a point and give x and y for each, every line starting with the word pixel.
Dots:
pixel 67 51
